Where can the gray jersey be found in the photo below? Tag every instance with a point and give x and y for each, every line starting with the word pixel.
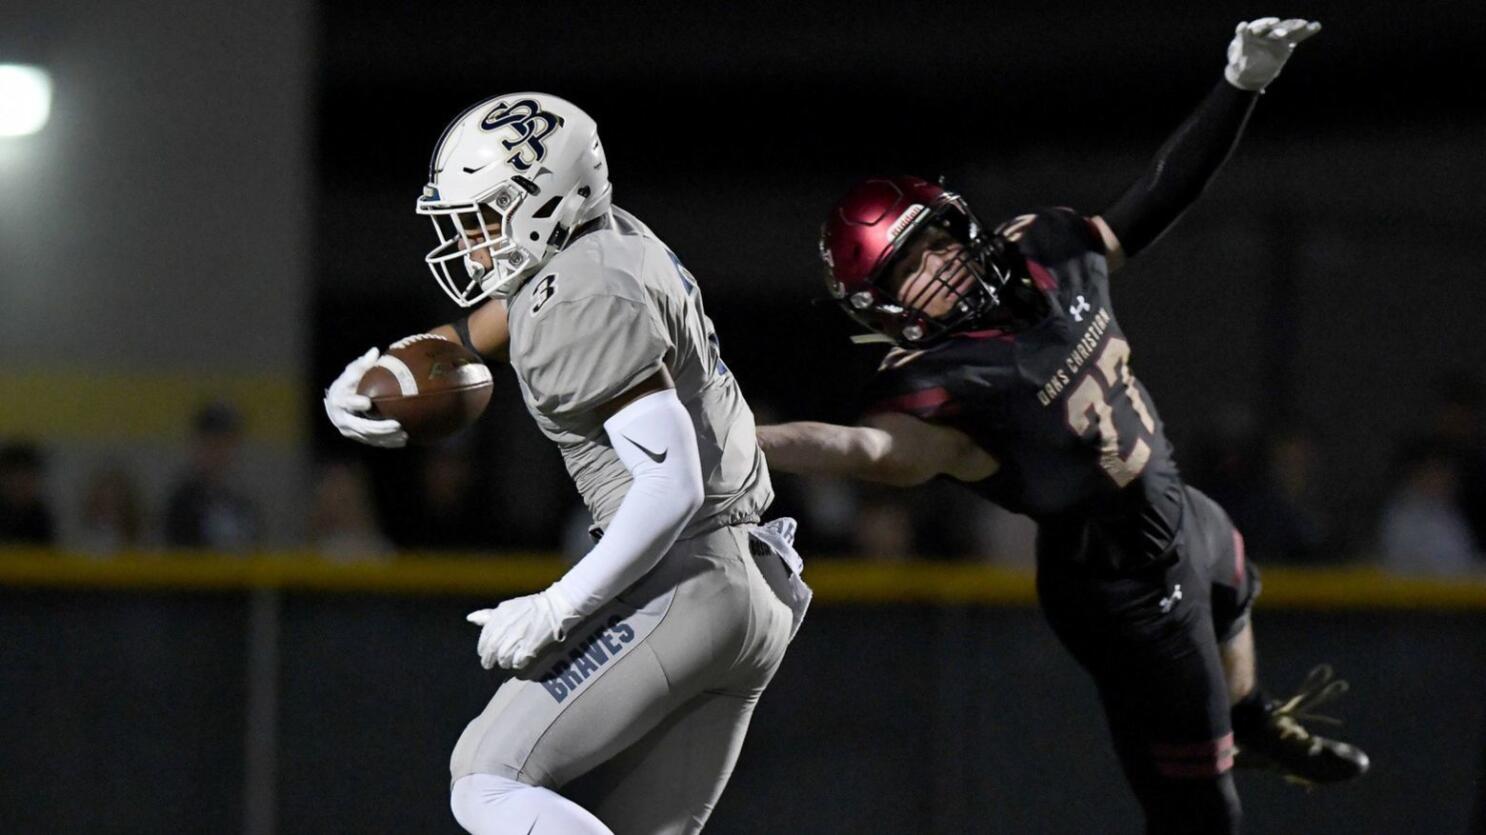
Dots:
pixel 604 314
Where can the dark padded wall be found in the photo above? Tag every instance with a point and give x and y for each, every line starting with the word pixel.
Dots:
pixel 883 719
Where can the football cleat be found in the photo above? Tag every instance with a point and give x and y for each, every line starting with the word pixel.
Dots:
pixel 1283 743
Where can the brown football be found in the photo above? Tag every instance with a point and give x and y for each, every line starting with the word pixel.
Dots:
pixel 432 386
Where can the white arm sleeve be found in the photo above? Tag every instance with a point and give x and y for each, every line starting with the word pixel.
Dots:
pixel 655 439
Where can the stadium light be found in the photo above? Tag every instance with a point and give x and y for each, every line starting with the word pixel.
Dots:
pixel 25 99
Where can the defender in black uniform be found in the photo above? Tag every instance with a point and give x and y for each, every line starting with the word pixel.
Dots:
pixel 1012 376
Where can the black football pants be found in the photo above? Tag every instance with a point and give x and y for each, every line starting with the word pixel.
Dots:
pixel 1150 639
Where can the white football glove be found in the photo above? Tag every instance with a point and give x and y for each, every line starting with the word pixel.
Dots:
pixel 518 631
pixel 1261 47
pixel 342 404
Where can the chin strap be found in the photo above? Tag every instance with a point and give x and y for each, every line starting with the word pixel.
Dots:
pixel 567 227
pixel 475 269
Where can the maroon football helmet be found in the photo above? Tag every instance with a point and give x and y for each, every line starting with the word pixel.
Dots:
pixel 872 224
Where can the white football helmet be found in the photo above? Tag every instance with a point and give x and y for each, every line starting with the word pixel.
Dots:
pixel 531 160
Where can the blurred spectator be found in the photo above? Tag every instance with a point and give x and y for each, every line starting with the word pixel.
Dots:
pixel 883 528
pixel 1268 484
pixel 343 525
pixel 945 520
pixel 112 512
pixel 205 510
pixel 1004 538
pixel 450 513
pixel 25 517
pixel 1283 519
pixel 1457 422
pixel 1423 529
pixel 828 512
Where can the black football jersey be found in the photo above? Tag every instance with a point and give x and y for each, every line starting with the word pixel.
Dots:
pixel 1081 448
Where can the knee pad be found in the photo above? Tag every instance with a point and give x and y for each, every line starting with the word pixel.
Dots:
pixel 475 798
pixel 487 804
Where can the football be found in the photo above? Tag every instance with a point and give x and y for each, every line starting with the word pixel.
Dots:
pixel 432 386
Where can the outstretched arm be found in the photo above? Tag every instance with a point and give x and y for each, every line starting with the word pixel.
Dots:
pixel 1199 147
pixel 888 448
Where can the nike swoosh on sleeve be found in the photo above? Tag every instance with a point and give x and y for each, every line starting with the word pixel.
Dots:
pixel 657 457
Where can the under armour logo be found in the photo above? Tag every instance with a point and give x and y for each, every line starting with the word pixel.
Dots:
pixel 531 124
pixel 1168 602
pixel 1077 311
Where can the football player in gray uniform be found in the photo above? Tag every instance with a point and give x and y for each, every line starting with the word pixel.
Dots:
pixel 639 669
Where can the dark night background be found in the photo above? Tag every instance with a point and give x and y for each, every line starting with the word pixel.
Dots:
pixel 1323 286
pixel 222 206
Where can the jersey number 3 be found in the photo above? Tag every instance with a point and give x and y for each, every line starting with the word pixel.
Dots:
pixel 1092 405
pixel 542 292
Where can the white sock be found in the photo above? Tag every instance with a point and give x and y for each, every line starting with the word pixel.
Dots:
pixel 485 804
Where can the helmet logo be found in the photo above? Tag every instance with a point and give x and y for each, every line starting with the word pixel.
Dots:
pixel 901 224
pixel 530 125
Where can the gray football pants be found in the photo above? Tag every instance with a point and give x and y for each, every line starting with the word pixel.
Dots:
pixel 647 701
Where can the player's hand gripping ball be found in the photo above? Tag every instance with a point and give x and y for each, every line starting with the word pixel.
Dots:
pixel 347 409
pixel 431 386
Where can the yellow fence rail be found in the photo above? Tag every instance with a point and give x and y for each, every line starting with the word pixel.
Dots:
pixel 834 580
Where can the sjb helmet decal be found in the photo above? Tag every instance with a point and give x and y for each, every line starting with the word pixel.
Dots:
pixel 529 124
